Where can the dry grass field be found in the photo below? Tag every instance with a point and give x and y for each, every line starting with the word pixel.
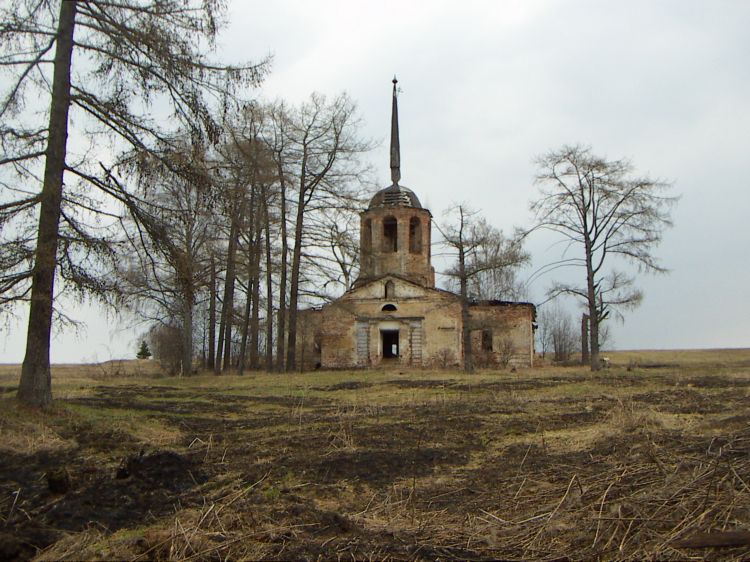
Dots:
pixel 649 459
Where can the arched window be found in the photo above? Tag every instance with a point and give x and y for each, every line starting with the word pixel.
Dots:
pixel 390 234
pixel 389 308
pixel 367 236
pixel 390 290
pixel 415 236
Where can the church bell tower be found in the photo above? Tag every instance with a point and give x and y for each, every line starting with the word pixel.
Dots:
pixel 395 230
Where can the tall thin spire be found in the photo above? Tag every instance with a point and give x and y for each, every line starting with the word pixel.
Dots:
pixel 395 147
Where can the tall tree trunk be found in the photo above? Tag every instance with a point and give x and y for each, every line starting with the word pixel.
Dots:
pixel 291 351
pixel 249 261
pixel 281 328
pixel 225 325
pixel 269 286
pixel 245 325
pixel 585 355
pixel 35 386
pixel 220 340
pixel 212 317
pixel 593 312
pixel 468 355
pixel 465 317
pixel 255 317
pixel 228 307
pixel 186 272
pixel 187 332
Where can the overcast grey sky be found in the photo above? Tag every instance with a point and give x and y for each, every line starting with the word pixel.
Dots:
pixel 488 85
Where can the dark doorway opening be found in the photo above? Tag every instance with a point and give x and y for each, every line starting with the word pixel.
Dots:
pixel 390 343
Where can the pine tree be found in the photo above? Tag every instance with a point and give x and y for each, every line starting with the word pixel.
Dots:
pixel 143 352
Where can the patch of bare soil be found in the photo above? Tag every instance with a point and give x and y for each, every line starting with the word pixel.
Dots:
pixel 420 383
pixel 382 467
pixel 346 385
pixel 56 493
pixel 709 381
pixel 688 401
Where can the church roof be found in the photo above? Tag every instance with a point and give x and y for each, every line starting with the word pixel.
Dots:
pixel 395 196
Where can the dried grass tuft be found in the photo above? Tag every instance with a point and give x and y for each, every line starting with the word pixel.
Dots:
pixel 627 418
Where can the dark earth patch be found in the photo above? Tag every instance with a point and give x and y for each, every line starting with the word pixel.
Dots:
pixel 380 467
pixel 682 400
pixel 708 381
pixel 347 385
pixel 144 488
pixel 423 383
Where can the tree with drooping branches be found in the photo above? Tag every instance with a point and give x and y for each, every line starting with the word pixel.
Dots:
pixel 603 210
pixel 105 67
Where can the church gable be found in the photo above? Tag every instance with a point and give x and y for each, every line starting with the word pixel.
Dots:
pixel 393 287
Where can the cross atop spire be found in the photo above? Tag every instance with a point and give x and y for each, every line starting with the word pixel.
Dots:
pixel 395 147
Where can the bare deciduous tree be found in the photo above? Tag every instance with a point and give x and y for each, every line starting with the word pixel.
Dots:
pixel 557 331
pixel 332 251
pixel 323 150
pixel 279 142
pixel 603 210
pixel 165 263
pixel 480 249
pixel 249 161
pixel 495 264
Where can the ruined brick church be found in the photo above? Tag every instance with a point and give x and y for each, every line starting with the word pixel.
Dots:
pixel 393 313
